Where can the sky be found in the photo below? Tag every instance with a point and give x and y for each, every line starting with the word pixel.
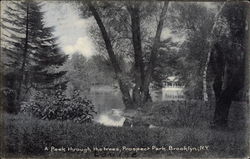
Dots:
pixel 70 28
pixel 73 31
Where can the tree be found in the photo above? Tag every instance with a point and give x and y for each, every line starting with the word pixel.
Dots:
pixel 129 31
pixel 229 59
pixel 31 50
pixel 191 57
pixel 211 39
pixel 15 48
pixel 46 55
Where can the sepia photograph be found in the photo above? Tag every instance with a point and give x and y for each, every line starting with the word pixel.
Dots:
pixel 124 79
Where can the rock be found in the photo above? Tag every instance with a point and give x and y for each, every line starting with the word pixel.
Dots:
pixel 128 123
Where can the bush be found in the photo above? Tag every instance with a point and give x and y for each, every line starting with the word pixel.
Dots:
pixel 59 107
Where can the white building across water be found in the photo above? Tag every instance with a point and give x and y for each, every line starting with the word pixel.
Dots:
pixel 172 90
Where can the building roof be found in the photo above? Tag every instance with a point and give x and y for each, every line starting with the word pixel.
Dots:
pixel 172 78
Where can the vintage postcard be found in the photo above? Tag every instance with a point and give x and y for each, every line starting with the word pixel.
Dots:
pixel 122 79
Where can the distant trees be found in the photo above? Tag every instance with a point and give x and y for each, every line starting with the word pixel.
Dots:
pixel 31 54
pixel 82 73
pixel 77 74
pixel 194 22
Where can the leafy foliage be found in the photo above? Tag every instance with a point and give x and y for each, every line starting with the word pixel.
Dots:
pixel 60 107
pixel 83 72
pixel 191 57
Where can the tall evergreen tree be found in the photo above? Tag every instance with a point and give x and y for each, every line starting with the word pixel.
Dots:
pixel 30 49
pixel 46 56
pixel 15 40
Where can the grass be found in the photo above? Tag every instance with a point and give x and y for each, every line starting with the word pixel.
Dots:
pixel 179 113
pixel 28 136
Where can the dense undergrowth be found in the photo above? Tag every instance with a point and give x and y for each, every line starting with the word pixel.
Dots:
pixel 27 136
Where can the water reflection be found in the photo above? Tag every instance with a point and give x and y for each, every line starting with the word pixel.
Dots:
pixel 109 105
pixel 111 118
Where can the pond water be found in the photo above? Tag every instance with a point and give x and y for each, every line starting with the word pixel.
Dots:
pixel 109 106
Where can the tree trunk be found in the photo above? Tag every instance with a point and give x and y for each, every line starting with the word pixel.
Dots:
pixel 154 51
pixel 223 90
pixel 25 53
pixel 230 71
pixel 225 94
pixel 118 72
pixel 138 55
pixel 204 81
pixel 221 113
pixel 218 65
pixel 126 98
pixel 217 85
pixel 204 75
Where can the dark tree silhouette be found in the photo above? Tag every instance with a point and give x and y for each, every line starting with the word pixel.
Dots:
pixel 229 60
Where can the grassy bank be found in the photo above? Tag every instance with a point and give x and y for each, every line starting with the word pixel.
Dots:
pixel 25 135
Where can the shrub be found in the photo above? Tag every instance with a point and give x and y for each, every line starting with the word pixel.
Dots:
pixel 59 107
